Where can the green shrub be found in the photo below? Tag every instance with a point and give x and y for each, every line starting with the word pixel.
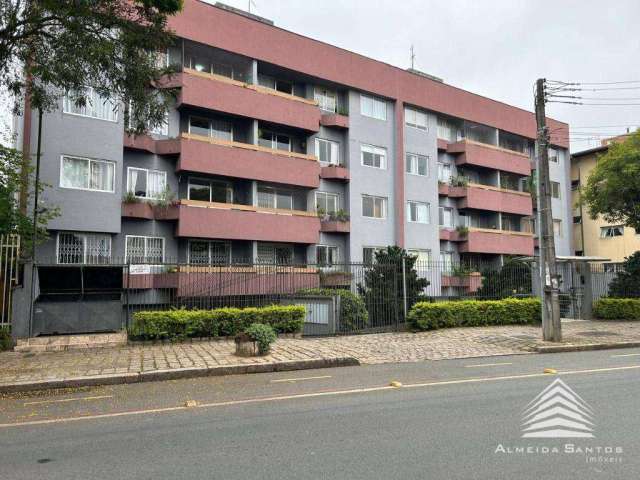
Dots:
pixel 474 313
pixel 617 308
pixel 5 339
pixel 353 311
pixel 182 323
pixel 263 335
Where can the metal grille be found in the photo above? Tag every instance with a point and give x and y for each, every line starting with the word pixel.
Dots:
pixel 9 254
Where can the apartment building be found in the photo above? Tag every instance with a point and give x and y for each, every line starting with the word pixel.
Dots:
pixel 597 237
pixel 281 148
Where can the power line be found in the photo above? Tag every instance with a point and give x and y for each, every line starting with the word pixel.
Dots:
pixel 593 83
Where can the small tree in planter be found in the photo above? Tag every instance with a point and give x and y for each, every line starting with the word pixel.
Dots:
pixel 255 340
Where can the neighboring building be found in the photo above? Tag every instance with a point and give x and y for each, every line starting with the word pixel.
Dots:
pixel 597 237
pixel 270 126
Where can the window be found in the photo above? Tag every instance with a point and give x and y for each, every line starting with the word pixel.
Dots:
pixel 209 190
pixel 418 212
pixel 140 249
pixel 95 106
pixel 328 151
pixel 555 189
pixel 577 219
pixel 447 130
pixel 557 228
pixel 275 254
pixel 145 183
pixel 446 261
pixel 417 164
pixel 275 198
pixel 423 257
pixel 218 129
pixel 283 86
pixel 374 207
pixel 327 100
pixel 274 141
pixel 575 185
pixel 327 202
pixel 326 255
pixel 87 174
pixel 373 107
pixel 444 172
pixel 553 155
pixel 445 215
pixel 162 129
pixel 415 118
pixel 610 232
pixel 369 254
pixel 209 253
pixel 372 156
pixel 91 248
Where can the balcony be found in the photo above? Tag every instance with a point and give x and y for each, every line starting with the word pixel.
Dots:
pixel 489 156
pixel 148 211
pixel 229 221
pixel 480 240
pixel 335 172
pixel 241 160
pixel 215 92
pixel 470 282
pixel 485 197
pixel 146 143
pixel 334 120
pixel 335 226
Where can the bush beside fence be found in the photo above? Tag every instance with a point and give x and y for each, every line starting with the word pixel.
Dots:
pixel 474 313
pixel 617 308
pixel 178 324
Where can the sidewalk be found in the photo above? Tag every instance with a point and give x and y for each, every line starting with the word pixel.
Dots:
pixel 135 363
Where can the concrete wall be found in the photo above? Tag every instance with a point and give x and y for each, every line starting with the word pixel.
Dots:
pixel 561 207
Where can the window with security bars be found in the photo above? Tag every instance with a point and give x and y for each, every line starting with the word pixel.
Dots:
pixel 88 248
pixel 140 249
pixel 88 103
pixel 275 254
pixel 209 253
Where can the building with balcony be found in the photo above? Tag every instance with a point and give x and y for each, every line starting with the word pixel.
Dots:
pixel 305 153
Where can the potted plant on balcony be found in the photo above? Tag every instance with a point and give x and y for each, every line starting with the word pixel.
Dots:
pixel 462 231
pixel 339 216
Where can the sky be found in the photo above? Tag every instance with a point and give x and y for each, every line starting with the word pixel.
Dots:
pixel 492 47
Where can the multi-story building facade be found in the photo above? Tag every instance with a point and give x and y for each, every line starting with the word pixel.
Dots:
pixel 270 128
pixel 597 237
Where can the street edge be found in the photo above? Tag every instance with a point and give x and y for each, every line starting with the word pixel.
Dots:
pixel 584 347
pixel 174 374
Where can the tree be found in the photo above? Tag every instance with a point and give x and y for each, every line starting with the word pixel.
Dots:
pixel 12 220
pixel 613 188
pixel 512 278
pixel 627 282
pixel 382 289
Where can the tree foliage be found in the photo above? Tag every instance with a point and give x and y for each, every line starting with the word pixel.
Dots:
pixel 613 187
pixel 382 289
pixel 48 47
pixel 512 278
pixel 12 220
pixel 627 282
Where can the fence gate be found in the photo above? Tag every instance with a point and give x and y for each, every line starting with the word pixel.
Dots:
pixel 9 254
pixel 572 289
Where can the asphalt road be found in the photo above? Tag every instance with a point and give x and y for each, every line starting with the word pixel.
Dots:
pixel 453 419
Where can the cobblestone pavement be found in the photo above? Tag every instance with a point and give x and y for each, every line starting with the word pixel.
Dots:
pixel 373 348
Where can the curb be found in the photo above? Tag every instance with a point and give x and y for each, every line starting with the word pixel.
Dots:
pixel 174 374
pixel 585 347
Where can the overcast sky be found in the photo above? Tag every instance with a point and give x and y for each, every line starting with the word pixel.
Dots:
pixel 492 48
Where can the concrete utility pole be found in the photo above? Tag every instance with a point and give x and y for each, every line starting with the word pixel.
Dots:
pixel 551 327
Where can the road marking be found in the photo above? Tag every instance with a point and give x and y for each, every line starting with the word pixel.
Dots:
pixel 310 395
pixel 64 400
pixel 488 364
pixel 627 355
pixel 299 379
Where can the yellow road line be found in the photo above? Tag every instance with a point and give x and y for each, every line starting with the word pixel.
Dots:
pixel 488 365
pixel 64 400
pixel 311 395
pixel 299 379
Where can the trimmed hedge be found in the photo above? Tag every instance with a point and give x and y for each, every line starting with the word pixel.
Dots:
pixel 474 313
pixel 617 308
pixel 177 324
pixel 353 311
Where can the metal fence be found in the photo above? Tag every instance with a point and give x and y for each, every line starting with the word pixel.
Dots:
pixel 9 254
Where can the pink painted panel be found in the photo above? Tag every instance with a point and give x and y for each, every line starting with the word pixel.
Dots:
pixel 489 242
pixel 488 157
pixel 495 201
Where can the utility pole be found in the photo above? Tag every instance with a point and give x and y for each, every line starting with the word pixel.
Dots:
pixel 551 327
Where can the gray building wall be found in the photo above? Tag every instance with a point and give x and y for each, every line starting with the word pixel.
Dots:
pixel 561 207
